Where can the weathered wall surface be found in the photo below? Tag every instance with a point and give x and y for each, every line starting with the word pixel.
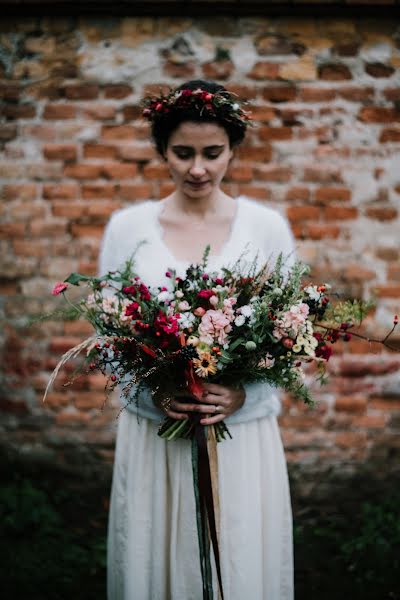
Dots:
pixel 325 96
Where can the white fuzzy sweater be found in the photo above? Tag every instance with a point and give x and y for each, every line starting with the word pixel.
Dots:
pixel 257 230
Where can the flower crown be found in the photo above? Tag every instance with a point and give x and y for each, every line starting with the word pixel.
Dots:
pixel 220 104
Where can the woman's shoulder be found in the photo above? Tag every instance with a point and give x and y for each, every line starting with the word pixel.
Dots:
pixel 261 213
pixel 134 215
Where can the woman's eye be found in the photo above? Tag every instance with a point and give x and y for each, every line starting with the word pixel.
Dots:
pixel 212 156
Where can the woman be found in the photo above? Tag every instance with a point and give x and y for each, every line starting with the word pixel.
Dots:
pixel 152 537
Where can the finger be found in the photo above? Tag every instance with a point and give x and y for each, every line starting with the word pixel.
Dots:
pixel 212 420
pixel 214 399
pixel 215 388
pixel 176 415
pixel 183 406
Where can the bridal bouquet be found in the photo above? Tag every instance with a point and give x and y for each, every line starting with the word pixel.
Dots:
pixel 239 325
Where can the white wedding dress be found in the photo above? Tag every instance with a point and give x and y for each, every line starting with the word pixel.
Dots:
pixel 152 545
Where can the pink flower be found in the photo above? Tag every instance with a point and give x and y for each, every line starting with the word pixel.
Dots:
pixel 215 325
pixel 213 300
pixel 59 288
pixel 199 311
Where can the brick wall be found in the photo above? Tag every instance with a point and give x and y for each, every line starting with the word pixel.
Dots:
pixel 326 98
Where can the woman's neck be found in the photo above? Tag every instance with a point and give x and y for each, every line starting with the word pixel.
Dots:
pixel 198 208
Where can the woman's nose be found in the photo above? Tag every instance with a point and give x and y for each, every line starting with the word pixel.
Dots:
pixel 197 166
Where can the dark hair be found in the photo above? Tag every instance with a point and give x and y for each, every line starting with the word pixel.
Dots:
pixel 162 129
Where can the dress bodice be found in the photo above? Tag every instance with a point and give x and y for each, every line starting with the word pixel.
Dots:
pixel 258 233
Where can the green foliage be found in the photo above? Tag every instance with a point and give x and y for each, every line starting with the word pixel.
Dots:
pixel 349 311
pixel 45 554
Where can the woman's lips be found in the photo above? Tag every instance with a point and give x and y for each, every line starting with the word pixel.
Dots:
pixel 197 183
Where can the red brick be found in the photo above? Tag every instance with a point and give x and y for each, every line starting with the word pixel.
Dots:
pixel 298 193
pixel 379 70
pixel 117 91
pixel 137 152
pixel 81 91
pixel 325 195
pixel 261 113
pixel 387 253
pixel 98 190
pixel 378 114
pixel 155 171
pixel 102 210
pixel 136 191
pixel 352 404
pixel 264 70
pixel 339 213
pixel 38 131
pixel 218 70
pixel 178 71
pixel 255 153
pixel 273 173
pixel 118 170
pixel 322 174
pixel 387 291
pixel 334 72
pixel 392 94
pixel 351 439
pixel 83 171
pixel 311 94
pixel 240 173
pixel 90 231
pixel 71 210
pixel 256 192
pixel 99 112
pixel 22 191
pixel 381 213
pixel 393 272
pixel 275 133
pixel 69 418
pixel 60 191
pixel 47 228
pixel 59 111
pixel 389 134
pixel 244 92
pixel 99 151
pixel 279 93
pixel 356 94
pixel 60 345
pixel 19 111
pixel 352 367
pixel 385 404
pixel 67 152
pixel 303 213
pixel 89 400
pixel 8 131
pixel 35 248
pixel 320 232
pixel 8 288
pixel 88 268
pixel 55 400
pixel 370 421
pixel 132 112
pixel 118 132
pixel 10 91
pixel 11 230
pixel 77 328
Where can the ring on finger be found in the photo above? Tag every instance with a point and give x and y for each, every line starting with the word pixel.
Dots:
pixel 217 409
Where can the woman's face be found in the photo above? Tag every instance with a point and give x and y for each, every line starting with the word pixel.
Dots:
pixel 198 155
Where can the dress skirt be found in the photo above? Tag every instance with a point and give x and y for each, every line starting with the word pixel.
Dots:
pixel 152 544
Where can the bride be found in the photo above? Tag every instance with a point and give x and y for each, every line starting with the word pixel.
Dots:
pixel 152 547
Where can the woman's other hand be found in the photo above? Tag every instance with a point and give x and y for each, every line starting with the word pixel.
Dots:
pixel 219 402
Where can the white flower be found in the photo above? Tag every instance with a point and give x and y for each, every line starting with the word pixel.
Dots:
pixel 246 310
pixel 165 296
pixel 312 291
pixel 239 321
pixel 179 294
pixel 296 348
pixel 186 320
pixel 214 300
pixel 235 106
pixel 183 306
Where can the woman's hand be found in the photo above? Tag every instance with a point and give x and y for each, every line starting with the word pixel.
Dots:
pixel 219 402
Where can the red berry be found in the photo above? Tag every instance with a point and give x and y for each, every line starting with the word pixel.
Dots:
pixel 113 378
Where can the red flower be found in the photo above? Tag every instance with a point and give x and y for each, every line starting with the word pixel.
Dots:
pixel 59 288
pixel 166 325
pixel 133 310
pixel 205 294
pixel 324 351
